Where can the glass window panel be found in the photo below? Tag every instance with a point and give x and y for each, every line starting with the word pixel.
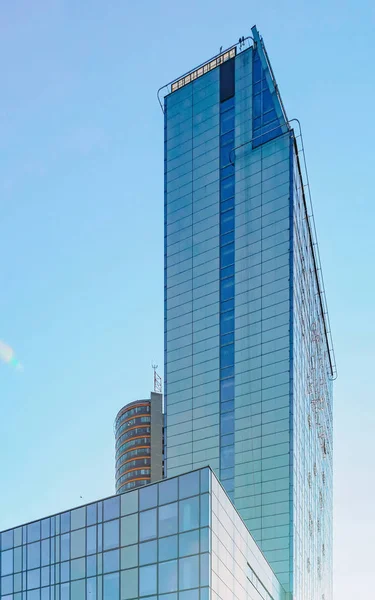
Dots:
pixel 148 497
pixel 148 553
pixel 205 539
pixel 226 155
pixel 78 590
pixel 91 539
pixel 7 540
pixel 188 572
pixel 189 543
pixel 32 595
pixel 45 552
pixel 78 518
pixel 226 259
pixel 189 485
pixel 205 510
pixel 129 584
pixel 205 569
pixel 91 566
pixel 168 491
pixel 77 568
pixel 44 594
pixel 100 563
pixel 33 555
pixel 100 537
pixel 45 576
pixel 129 503
pixel 227 440
pixel 205 480
pixel 111 561
pixel 189 595
pixel 147 524
pixel 78 543
pixel 227 390
pixel 227 138
pixel 227 423
pixel 64 571
pixel 168 577
pixel 18 581
pixel 227 272
pixel 111 586
pixel 226 326
pixel 91 514
pixel 65 546
pixel 168 518
pixel 65 522
pixel 227 104
pixel 33 579
pixel 227 221
pixel 7 585
pixel 33 532
pixel 111 508
pixel 227 359
pixel 129 530
pixel 168 548
pixel 18 535
pixel 129 557
pixel 227 238
pixel 64 591
pixel 17 559
pixel 91 588
pixel 227 457
pixel 228 305
pixel 227 205
pixel 228 170
pixel 228 338
pixel 147 580
pixel 227 121
pixel 111 534
pixel 189 514
pixel 100 512
pixel 227 188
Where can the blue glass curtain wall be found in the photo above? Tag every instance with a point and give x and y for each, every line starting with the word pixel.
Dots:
pixel 227 255
pixel 266 125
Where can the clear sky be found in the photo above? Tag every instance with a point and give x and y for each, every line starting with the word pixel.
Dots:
pixel 81 229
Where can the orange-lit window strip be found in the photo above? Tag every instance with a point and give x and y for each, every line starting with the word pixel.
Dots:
pixel 124 439
pixel 130 407
pixel 204 69
pixel 133 457
pixel 139 437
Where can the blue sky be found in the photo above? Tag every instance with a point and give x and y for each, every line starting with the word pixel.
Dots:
pixel 81 229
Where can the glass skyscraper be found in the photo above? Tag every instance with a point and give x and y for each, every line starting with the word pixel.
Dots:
pixel 248 357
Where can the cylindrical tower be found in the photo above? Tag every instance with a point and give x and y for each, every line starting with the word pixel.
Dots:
pixel 133 445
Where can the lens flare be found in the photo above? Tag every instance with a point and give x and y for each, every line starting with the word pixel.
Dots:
pixel 8 356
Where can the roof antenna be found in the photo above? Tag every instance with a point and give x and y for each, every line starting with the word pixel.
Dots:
pixel 158 386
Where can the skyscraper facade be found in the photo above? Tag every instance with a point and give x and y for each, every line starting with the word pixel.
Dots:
pixel 139 443
pixel 248 356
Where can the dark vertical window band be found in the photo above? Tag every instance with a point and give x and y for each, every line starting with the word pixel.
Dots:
pixel 165 289
pixel 227 254
pixel 266 124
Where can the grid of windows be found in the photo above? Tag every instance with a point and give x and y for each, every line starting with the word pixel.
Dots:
pixel 266 125
pixel 152 541
pixel 247 369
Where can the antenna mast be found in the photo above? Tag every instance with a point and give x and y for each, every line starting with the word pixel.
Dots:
pixel 158 386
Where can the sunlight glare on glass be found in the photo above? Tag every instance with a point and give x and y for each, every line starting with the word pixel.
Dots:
pixel 7 355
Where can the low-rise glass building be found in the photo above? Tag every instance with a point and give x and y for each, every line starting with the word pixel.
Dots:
pixel 180 539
